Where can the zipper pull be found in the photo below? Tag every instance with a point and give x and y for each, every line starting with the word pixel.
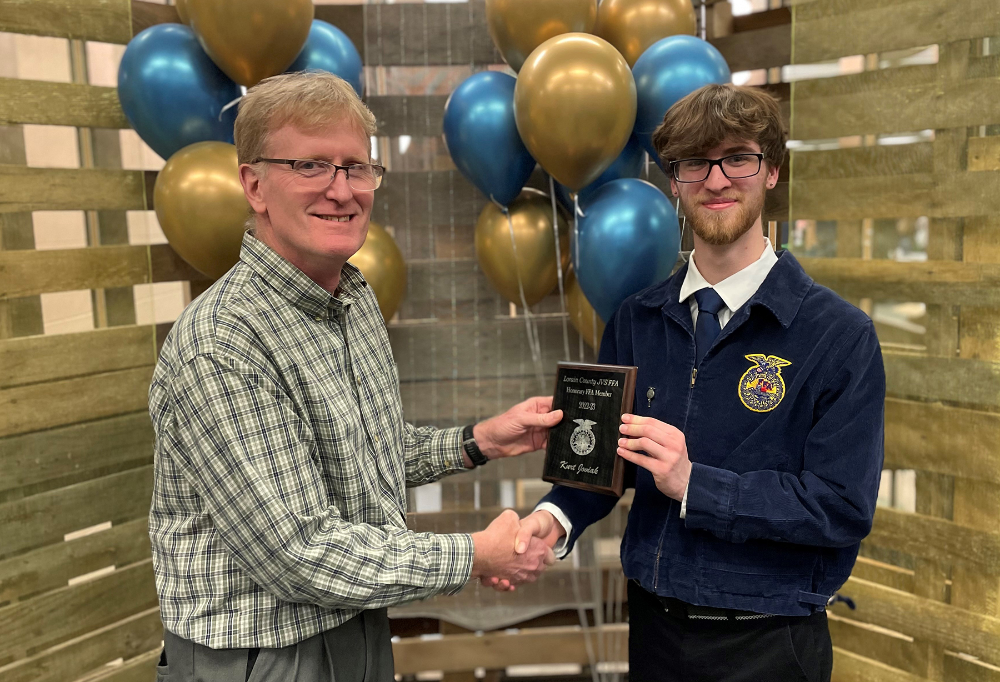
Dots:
pixel 694 374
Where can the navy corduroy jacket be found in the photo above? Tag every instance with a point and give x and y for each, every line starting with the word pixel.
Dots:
pixel 784 424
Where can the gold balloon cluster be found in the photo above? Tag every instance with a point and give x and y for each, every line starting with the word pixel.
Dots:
pixel 581 314
pixel 382 264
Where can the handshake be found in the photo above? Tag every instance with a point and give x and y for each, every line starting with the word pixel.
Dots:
pixel 511 551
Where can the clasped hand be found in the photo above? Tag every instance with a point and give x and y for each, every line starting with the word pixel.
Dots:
pixel 512 551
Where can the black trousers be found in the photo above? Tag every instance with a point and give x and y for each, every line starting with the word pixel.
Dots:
pixel 665 646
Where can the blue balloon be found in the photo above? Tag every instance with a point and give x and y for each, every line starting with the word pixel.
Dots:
pixel 627 241
pixel 666 72
pixel 482 137
pixel 629 164
pixel 172 93
pixel 329 49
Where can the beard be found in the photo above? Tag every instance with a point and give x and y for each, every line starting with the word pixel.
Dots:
pixel 722 229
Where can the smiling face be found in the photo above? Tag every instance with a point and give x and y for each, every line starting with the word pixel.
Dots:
pixel 721 210
pixel 316 230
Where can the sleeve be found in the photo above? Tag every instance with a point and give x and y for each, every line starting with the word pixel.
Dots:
pixel 580 507
pixel 243 448
pixel 431 453
pixel 832 502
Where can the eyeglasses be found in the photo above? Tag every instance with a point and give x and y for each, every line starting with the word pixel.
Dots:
pixel 317 175
pixel 733 167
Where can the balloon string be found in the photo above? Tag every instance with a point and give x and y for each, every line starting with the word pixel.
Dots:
pixel 229 105
pixel 529 321
pixel 559 270
pixel 576 236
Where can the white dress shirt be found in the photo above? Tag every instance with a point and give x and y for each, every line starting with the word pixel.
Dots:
pixel 734 291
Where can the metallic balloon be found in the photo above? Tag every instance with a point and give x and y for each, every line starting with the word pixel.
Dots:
pixel 482 138
pixel 629 164
pixel 201 207
pixel 382 264
pixel 531 216
pixel 329 49
pixel 172 93
pixel 182 11
pixel 628 241
pixel 581 313
pixel 519 26
pixel 251 39
pixel 574 104
pixel 668 71
pixel 634 25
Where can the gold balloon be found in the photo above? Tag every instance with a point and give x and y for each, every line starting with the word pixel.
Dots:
pixel 531 217
pixel 201 207
pixel 574 105
pixel 182 11
pixel 633 25
pixel 251 39
pixel 381 262
pixel 581 313
pixel 519 26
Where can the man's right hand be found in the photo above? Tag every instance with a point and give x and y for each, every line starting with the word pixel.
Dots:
pixel 540 524
pixel 495 561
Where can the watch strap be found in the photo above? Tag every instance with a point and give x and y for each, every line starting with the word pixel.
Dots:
pixel 472 448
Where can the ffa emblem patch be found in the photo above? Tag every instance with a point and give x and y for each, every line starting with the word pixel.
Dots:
pixel 761 386
pixel 583 440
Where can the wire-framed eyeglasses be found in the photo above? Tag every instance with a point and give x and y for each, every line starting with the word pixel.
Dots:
pixel 734 167
pixel 316 174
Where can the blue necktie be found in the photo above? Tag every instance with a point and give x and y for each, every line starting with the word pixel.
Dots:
pixel 708 327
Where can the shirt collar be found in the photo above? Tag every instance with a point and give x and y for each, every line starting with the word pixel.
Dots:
pixel 295 285
pixel 736 289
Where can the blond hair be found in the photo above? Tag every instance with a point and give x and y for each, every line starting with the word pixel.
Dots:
pixel 305 99
pixel 715 113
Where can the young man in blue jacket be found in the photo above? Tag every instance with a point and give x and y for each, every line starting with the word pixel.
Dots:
pixel 756 443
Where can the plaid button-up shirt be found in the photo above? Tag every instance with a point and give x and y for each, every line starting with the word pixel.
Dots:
pixel 281 463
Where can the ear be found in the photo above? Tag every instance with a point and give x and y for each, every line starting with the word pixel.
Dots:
pixel 673 185
pixel 772 176
pixel 252 189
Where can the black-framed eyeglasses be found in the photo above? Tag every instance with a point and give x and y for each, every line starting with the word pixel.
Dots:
pixel 734 167
pixel 316 174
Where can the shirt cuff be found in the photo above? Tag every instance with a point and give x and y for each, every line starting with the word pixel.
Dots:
pixel 684 500
pixel 561 548
pixel 711 499
pixel 457 550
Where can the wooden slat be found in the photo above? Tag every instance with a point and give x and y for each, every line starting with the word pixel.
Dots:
pixel 984 153
pixel 78 452
pixel 829 29
pixel 105 21
pixel 934 621
pixel 51 189
pixel 935 538
pixel 70 401
pixel 428 34
pixel 885 646
pixel 36 624
pixel 851 667
pixel 67 104
pixel 417 116
pixel 836 164
pixel 52 566
pixel 952 379
pixel 139 669
pixel 125 639
pixel 916 435
pixel 883 574
pixel 33 359
pixel 961 669
pixel 891 101
pixel 759 49
pixel 45 518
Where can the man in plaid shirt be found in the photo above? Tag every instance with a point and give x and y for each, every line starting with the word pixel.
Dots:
pixel 278 520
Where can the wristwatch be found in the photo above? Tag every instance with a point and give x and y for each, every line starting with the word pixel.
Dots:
pixel 472 448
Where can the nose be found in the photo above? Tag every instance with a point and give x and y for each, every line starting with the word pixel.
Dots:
pixel 716 179
pixel 340 189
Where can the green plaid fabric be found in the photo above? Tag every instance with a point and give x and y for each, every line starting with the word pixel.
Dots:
pixel 281 463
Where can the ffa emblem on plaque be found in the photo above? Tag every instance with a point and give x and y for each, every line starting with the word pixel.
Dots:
pixel 583 440
pixel 761 386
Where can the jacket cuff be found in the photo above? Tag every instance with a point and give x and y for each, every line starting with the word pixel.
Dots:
pixel 711 499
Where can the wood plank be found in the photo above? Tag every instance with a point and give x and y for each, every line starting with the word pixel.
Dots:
pixel 67 104
pixel 106 21
pixel 984 153
pixel 417 116
pixel 52 189
pixel 428 34
pixel 917 433
pixel 958 668
pixel 139 669
pixel 829 29
pixel 762 48
pixel 70 454
pixel 935 538
pixel 972 382
pixel 31 626
pixel 146 14
pixel 31 359
pixel 50 567
pixel 68 661
pixel 884 646
pixel 884 574
pixel 453 653
pixel 878 161
pixel 934 621
pixel 44 519
pixel 851 667
pixel 70 401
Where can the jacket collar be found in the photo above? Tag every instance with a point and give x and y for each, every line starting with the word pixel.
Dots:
pixel 782 292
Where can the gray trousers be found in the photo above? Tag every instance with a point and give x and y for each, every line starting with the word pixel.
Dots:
pixel 359 650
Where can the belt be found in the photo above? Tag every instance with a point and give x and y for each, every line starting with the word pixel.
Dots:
pixel 679 609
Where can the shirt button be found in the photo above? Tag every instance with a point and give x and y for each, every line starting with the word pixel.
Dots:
pixel 319 318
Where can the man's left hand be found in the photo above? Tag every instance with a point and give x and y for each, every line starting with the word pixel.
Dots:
pixel 522 428
pixel 666 455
